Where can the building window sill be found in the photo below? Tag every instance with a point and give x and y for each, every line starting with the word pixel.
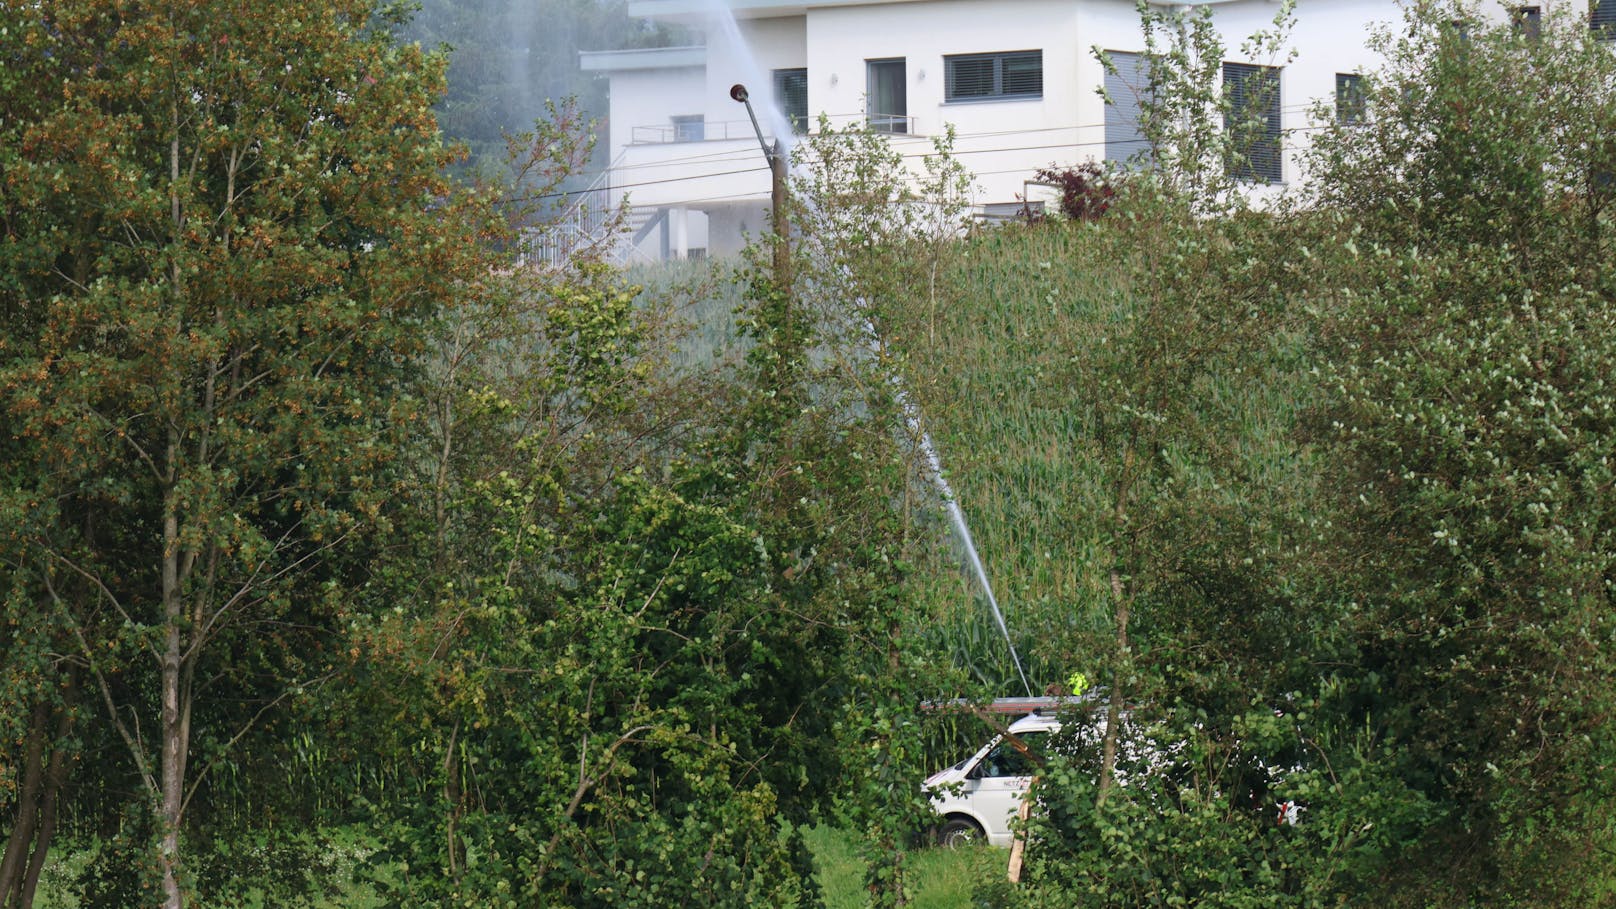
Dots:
pixel 1011 99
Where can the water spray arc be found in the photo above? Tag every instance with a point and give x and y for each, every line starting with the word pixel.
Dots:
pixel 956 515
pixel 779 159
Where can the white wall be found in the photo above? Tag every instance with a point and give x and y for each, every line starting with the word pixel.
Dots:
pixel 1329 37
pixel 769 44
pixel 1003 142
pixel 841 40
pixel 652 97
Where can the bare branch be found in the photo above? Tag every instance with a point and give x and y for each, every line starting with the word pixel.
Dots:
pixel 92 578
pixel 204 633
pixel 129 738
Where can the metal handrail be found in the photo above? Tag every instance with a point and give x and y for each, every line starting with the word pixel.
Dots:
pixel 709 131
pixel 898 124
pixel 726 130
pixel 582 224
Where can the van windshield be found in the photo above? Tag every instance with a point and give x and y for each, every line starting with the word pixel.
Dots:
pixel 1004 759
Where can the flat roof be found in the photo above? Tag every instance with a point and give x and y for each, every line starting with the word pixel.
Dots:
pixel 743 9
pixel 642 58
pixel 691 10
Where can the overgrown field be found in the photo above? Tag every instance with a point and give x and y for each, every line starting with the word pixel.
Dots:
pixel 1034 336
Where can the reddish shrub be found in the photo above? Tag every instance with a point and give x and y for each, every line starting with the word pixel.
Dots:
pixel 1086 190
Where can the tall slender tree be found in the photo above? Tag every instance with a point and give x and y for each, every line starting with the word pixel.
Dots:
pixel 225 236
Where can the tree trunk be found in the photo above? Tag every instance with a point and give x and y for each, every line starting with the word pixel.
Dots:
pixel 453 798
pixel 173 733
pixel 22 833
pixel 1113 710
pixel 174 744
pixel 1119 662
pixel 29 842
pixel 55 777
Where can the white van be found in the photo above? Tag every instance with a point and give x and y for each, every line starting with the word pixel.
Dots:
pixel 978 798
pixel 989 787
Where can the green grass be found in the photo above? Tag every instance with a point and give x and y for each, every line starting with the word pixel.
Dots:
pixel 702 299
pixel 938 878
pixel 334 871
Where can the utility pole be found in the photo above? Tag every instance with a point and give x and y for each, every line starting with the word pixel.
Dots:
pixel 776 156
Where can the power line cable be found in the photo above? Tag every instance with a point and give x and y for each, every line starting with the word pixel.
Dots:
pixel 738 155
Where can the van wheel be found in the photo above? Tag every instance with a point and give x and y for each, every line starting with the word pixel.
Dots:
pixel 959 832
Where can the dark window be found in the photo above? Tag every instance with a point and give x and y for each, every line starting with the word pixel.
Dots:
pixel 994 212
pixel 1253 122
pixel 1602 19
pixel 974 77
pixel 691 128
pixel 1349 98
pixel 791 95
pixel 1528 21
pixel 887 104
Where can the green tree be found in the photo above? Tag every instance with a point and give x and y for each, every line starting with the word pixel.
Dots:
pixel 1470 424
pixel 626 603
pixel 871 241
pixel 225 232
pixel 1422 659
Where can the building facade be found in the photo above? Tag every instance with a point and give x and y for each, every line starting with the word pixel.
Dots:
pixel 1019 80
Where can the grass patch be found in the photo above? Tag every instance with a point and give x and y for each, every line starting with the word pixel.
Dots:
pixel 938 878
pixel 703 299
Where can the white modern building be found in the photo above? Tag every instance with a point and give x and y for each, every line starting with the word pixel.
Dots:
pixel 1018 79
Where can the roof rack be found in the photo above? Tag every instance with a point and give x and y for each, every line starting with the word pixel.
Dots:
pixel 1010 706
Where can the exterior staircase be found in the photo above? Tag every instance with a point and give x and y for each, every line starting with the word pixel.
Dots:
pixel 592 225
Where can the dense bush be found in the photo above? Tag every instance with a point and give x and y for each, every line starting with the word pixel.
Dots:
pixel 1412 636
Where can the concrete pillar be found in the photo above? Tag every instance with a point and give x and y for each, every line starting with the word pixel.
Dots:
pixel 679 222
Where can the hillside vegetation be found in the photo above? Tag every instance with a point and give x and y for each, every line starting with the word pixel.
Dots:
pixel 1321 493
pixel 1019 374
pixel 350 563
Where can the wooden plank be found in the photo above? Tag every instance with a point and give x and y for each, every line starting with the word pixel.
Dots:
pixel 1018 847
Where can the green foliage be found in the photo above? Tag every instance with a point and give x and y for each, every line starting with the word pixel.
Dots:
pixel 940 878
pixel 477 561
pixel 1365 538
pixel 869 240
pixel 628 605
pixel 1202 138
pixel 597 668
pixel 1471 416
pixel 1040 471
pixel 1196 819
pixel 222 259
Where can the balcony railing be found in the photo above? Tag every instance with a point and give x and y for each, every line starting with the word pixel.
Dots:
pixel 890 123
pixel 692 132
pixel 587 223
pixel 719 130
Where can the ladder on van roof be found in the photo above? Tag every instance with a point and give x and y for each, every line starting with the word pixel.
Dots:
pixel 1009 706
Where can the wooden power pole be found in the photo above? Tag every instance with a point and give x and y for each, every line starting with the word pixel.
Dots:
pixel 778 165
